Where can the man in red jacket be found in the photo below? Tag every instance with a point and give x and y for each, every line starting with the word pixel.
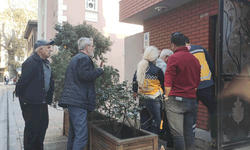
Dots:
pixel 182 79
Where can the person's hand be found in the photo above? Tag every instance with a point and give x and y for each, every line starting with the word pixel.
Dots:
pixel 101 65
pixel 135 95
pixel 165 97
pixel 15 93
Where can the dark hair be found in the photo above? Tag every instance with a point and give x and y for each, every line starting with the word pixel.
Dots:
pixel 178 39
pixel 186 39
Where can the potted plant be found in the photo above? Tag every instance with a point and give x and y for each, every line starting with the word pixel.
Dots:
pixel 116 102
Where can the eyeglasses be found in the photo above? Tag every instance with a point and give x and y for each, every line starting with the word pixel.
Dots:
pixel 92 46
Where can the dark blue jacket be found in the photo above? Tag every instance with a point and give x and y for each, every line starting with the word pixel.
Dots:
pixel 30 86
pixel 79 87
pixel 207 65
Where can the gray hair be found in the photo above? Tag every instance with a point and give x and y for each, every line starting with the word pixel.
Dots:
pixel 36 50
pixel 150 55
pixel 82 42
pixel 166 52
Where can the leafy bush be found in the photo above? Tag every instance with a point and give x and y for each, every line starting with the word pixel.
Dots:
pixel 66 39
pixel 116 102
pixel 113 100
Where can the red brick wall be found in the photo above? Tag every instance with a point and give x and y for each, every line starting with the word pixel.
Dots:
pixel 187 20
pixel 131 7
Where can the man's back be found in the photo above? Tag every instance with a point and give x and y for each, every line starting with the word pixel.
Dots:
pixel 207 65
pixel 79 88
pixel 183 74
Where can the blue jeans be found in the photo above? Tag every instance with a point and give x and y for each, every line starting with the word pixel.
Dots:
pixel 180 114
pixel 78 130
pixel 150 115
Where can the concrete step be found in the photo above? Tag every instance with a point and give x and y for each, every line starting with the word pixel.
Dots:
pixel 202 141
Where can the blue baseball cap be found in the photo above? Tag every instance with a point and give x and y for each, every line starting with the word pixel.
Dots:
pixel 42 42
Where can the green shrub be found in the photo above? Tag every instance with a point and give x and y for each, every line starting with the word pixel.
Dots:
pixel 66 39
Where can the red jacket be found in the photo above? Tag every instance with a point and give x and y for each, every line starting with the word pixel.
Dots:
pixel 183 73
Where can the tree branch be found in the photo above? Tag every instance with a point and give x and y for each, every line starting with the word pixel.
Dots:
pixel 4 36
pixel 3 46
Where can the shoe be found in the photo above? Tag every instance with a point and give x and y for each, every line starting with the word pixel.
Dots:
pixel 170 145
pixel 162 137
pixel 213 144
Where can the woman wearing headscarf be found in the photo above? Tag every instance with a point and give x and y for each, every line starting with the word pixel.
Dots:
pixel 149 79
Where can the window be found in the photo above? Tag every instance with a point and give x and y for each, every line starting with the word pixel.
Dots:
pixel 91 10
pixel 91 5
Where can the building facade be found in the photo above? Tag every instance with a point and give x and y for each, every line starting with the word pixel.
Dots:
pixel 195 18
pixel 102 14
pixel 31 35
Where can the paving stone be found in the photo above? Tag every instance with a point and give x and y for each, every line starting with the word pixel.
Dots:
pixel 207 146
pixel 197 148
pixel 54 140
pixel 199 143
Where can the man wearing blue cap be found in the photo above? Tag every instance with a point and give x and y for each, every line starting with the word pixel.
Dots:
pixel 35 90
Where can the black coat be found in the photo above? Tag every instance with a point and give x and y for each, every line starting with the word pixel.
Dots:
pixel 30 87
pixel 79 87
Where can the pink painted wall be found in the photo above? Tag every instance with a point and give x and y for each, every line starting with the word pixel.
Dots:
pixel 51 18
pixel 108 24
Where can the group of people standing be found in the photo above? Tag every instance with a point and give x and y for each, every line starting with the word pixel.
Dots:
pixel 182 76
pixel 8 80
pixel 175 82
pixel 35 91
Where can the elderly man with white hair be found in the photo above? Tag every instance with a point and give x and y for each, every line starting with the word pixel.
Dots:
pixel 78 93
pixel 162 60
pixel 35 91
pixel 165 132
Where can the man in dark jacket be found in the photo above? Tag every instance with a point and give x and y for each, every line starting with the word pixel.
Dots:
pixel 78 93
pixel 205 91
pixel 35 90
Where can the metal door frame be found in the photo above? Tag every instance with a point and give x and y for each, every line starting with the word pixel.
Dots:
pixel 218 73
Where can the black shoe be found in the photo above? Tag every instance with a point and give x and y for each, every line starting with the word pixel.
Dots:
pixel 170 145
pixel 162 137
pixel 213 145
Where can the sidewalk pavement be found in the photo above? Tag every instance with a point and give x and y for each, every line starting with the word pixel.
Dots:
pixel 54 140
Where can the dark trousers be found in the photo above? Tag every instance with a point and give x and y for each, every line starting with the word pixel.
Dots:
pixel 165 132
pixel 207 97
pixel 36 123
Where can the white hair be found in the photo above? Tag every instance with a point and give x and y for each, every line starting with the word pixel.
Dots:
pixel 37 49
pixel 166 52
pixel 150 55
pixel 82 42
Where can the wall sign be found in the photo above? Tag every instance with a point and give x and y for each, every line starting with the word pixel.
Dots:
pixel 146 40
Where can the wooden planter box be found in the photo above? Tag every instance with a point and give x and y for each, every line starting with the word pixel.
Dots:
pixel 95 119
pixel 102 140
pixel 66 123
